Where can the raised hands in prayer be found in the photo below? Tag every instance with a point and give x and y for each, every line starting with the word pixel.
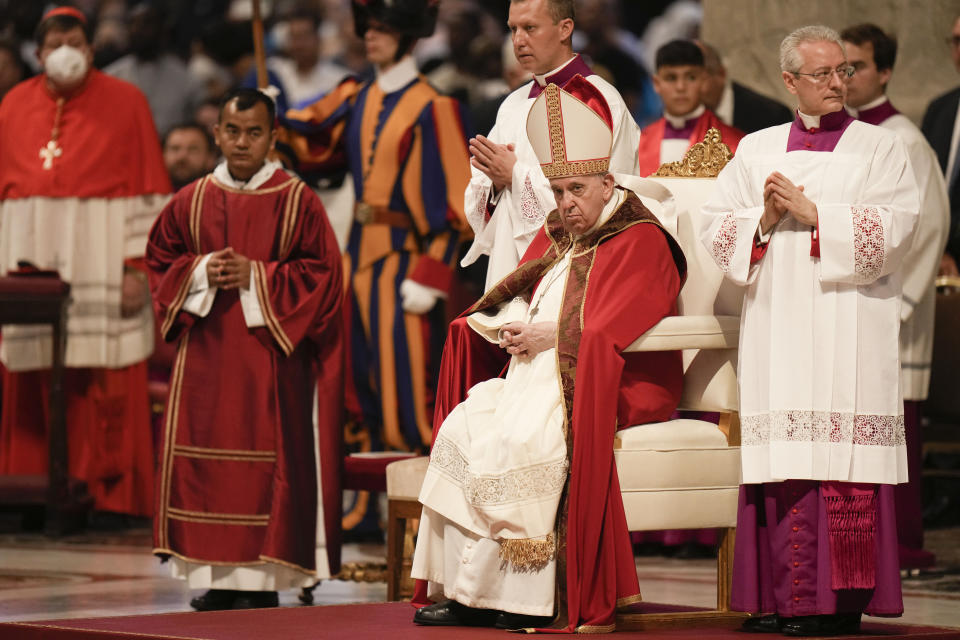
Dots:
pixel 528 339
pixel 780 196
pixel 494 160
pixel 227 269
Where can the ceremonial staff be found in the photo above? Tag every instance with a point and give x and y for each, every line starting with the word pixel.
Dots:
pixel 259 54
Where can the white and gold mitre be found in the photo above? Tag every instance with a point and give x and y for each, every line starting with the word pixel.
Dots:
pixel 571 129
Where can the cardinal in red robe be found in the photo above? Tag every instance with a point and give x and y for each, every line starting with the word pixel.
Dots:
pixel 523 522
pixel 81 181
pixel 247 281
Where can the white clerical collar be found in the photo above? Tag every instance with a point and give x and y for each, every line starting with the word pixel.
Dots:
pixel 678 122
pixel 619 195
pixel 542 78
pixel 398 76
pixel 865 107
pixel 810 122
pixel 222 174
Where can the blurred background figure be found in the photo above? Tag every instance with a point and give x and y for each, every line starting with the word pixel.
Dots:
pixel 188 153
pixel 679 81
pixel 172 92
pixel 735 104
pixel 12 67
pixel 941 127
pixel 602 40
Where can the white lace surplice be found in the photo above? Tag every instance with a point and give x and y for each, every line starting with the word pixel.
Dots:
pixel 818 366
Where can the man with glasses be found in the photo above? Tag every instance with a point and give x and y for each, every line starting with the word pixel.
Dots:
pixel 872 53
pixel 815 218
pixel 941 126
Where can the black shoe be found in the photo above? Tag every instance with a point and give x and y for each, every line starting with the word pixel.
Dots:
pixel 452 612
pixel 836 624
pixel 762 624
pixel 256 600
pixel 507 620
pixel 214 600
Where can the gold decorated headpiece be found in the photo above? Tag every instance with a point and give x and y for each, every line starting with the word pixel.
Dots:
pixel 571 129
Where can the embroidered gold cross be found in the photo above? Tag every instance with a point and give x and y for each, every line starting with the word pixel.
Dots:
pixel 49 152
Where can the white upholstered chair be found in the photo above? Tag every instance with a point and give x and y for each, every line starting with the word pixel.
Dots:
pixel 685 473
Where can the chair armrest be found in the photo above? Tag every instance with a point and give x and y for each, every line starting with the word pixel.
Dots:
pixel 690 332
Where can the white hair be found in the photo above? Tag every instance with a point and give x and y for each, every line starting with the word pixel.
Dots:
pixel 790 58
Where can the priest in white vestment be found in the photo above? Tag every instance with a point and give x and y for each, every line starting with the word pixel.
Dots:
pixel 508 197
pixel 815 218
pixel 872 53
pixel 521 493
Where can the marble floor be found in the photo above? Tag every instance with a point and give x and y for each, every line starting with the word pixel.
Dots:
pixel 112 575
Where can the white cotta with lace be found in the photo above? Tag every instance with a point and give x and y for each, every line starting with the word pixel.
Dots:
pixel 819 372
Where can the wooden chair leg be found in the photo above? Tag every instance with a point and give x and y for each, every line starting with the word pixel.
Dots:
pixel 725 568
pixel 396 524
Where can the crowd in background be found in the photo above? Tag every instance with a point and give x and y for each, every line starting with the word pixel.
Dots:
pixel 184 54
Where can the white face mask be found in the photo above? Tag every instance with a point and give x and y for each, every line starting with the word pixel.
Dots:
pixel 66 65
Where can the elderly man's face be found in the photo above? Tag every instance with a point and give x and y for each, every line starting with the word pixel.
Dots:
pixel 580 200
pixel 819 96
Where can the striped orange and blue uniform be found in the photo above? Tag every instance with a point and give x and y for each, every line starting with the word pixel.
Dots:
pixel 407 153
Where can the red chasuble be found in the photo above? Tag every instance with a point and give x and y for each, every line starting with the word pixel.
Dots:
pixel 624 278
pixel 237 482
pixel 652 135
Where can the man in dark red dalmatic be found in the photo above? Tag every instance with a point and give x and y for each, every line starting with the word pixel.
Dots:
pixel 523 523
pixel 247 280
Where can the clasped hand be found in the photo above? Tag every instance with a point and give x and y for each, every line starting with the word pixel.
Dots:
pixel 494 160
pixel 528 339
pixel 780 196
pixel 227 269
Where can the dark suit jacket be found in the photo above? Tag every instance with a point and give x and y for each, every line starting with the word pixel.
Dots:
pixel 753 111
pixel 937 128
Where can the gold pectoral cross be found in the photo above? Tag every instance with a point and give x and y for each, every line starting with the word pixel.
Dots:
pixel 49 152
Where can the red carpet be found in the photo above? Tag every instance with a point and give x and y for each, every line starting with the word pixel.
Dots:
pixel 355 621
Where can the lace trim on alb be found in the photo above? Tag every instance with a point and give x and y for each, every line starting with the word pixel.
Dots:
pixel 823 427
pixel 868 243
pixel 725 242
pixel 477 217
pixel 513 486
pixel 531 212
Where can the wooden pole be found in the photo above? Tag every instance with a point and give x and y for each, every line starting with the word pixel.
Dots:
pixel 258 51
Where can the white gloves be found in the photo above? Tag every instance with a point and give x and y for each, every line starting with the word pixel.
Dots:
pixel 417 298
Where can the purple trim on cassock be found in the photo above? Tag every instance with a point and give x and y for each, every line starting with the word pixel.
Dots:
pixel 672 133
pixel 562 77
pixel 782 556
pixel 877 114
pixel 822 138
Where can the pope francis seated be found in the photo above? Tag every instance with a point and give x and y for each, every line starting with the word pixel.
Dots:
pixel 523 523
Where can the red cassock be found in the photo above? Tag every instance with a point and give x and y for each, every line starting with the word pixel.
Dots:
pixel 652 136
pixel 83 206
pixel 624 278
pixel 238 479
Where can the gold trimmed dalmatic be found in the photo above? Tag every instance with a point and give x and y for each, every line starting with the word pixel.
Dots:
pixel 624 277
pixel 237 479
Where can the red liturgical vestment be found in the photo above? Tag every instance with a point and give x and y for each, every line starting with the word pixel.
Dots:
pixel 624 277
pixel 238 480
pixel 81 181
